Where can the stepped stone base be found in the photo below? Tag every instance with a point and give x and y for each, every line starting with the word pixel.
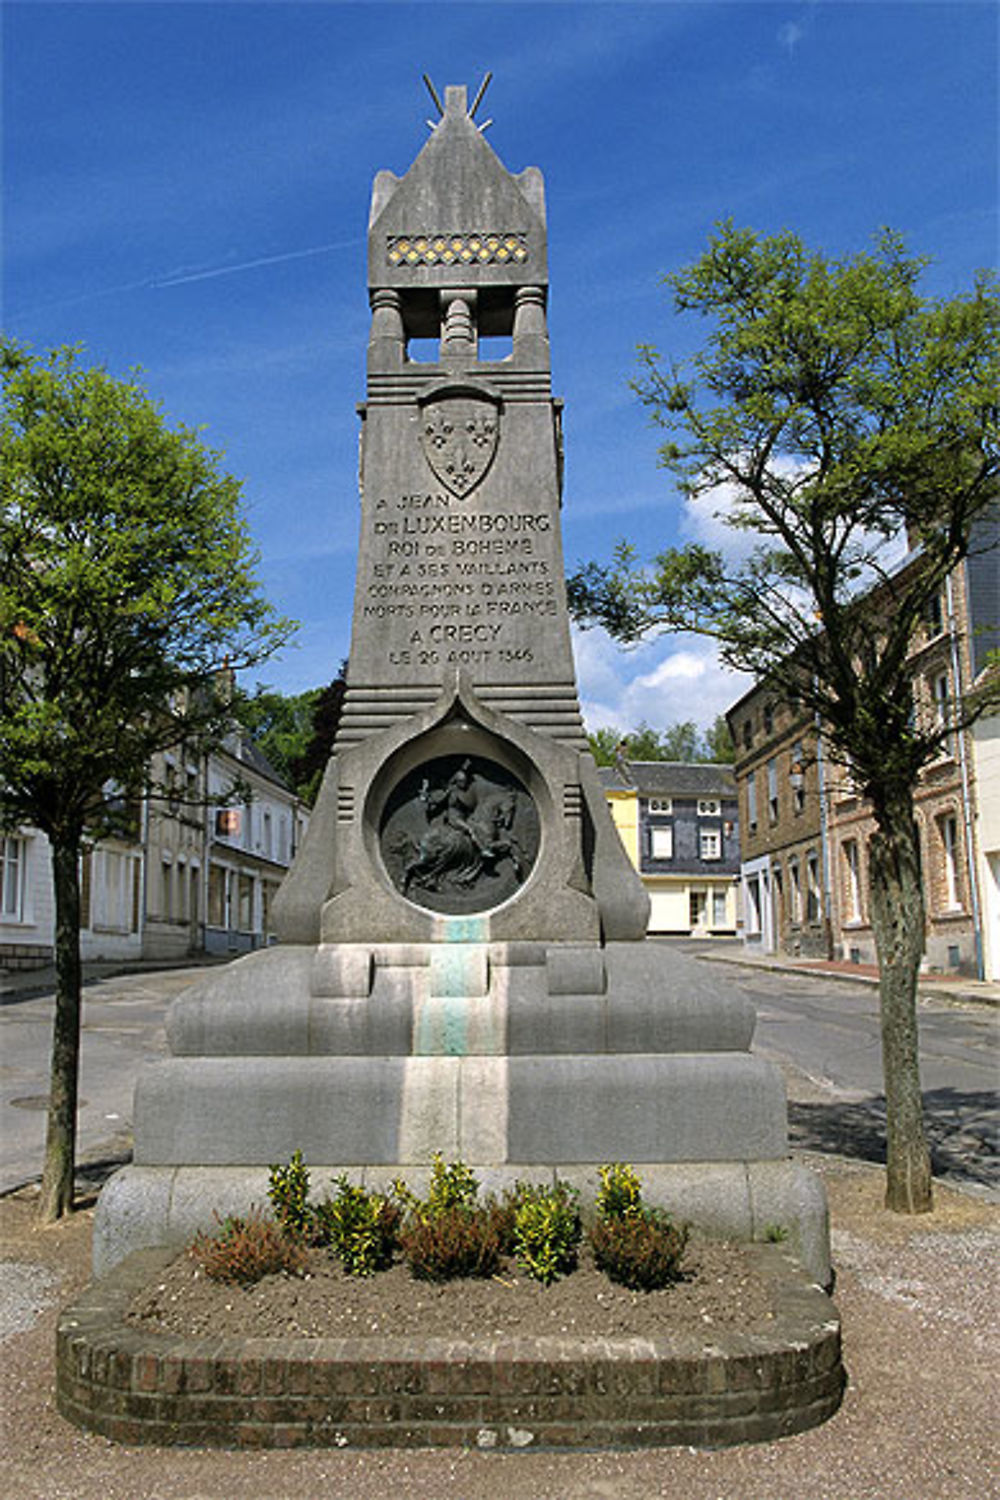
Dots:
pixel 138 1387
pixel 527 1060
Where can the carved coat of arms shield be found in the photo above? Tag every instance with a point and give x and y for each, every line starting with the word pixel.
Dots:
pixel 459 436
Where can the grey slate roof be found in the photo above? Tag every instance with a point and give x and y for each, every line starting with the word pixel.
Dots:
pixel 669 778
pixel 242 748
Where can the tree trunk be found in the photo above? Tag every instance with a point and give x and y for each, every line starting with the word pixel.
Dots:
pixel 897 906
pixel 60 1141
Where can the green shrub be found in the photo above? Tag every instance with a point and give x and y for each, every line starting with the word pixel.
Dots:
pixel 460 1240
pixel 620 1193
pixel 289 1195
pixel 245 1249
pixel 361 1227
pixel 547 1231
pixel 641 1249
pixel 453 1185
pixel 449 1234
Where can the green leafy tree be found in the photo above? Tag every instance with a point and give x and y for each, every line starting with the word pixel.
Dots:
pixel 607 744
pixel 327 709
pixel 680 742
pixel 677 742
pixel 279 724
pixel 127 590
pixel 719 747
pixel 835 408
pixel 296 731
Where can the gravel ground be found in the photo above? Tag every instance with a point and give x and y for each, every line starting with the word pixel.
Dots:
pixel 918 1300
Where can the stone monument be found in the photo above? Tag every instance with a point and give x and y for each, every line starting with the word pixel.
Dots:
pixel 462 966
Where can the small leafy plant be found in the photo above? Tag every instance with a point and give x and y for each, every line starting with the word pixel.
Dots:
pixel 620 1193
pixel 547 1230
pixel 245 1249
pixel 453 1185
pixel 642 1251
pixel 450 1233
pixel 362 1227
pixel 289 1195
pixel 455 1242
pixel 636 1246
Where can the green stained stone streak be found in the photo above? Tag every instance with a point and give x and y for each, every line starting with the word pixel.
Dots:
pixel 456 975
pixel 442 1027
pixel 466 930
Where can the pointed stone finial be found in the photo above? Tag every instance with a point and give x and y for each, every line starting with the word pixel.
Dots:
pixel 456 100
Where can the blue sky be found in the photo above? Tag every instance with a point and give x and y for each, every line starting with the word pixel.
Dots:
pixel 186 187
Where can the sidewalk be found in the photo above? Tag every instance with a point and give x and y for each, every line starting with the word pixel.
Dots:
pixel 28 984
pixel 25 984
pixel 954 987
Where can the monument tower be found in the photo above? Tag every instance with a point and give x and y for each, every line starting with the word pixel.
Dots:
pixel 462 965
pixel 460 569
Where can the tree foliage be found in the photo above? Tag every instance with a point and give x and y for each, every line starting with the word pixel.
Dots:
pixel 296 731
pixel 127 585
pixel 279 724
pixel 833 412
pixel 678 742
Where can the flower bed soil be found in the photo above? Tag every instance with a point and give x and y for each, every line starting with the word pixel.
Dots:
pixel 720 1290
pixel 744 1349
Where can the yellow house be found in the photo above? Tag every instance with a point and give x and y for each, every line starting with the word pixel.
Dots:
pixel 678 823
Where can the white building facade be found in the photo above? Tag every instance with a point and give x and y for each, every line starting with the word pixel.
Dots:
pixel 199 875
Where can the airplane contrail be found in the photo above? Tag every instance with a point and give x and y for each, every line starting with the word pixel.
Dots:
pixel 157 283
pixel 250 265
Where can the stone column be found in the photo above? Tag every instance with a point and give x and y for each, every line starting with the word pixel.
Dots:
pixel 458 327
pixel 531 335
pixel 386 342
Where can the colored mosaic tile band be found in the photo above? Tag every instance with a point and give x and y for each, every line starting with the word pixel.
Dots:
pixel 452 249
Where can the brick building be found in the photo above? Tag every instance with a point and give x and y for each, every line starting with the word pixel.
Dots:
pixel 806 830
pixel 782 777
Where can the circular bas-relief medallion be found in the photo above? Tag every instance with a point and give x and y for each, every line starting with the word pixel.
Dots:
pixel 459 834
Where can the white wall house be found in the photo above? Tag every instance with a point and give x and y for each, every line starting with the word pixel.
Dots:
pixel 27 912
pixel 111 881
pixel 986 763
pixel 250 844
pixel 199 876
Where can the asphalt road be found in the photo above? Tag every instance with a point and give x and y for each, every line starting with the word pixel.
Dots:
pixel 122 1028
pixel 823 1033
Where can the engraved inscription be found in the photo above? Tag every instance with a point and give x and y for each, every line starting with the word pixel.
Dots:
pixel 459 834
pixel 461 584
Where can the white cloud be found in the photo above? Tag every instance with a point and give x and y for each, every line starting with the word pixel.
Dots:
pixel 670 680
pixel 705 520
pixel 707 517
pixel 790 34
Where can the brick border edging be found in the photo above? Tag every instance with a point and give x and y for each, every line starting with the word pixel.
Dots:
pixel 141 1387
